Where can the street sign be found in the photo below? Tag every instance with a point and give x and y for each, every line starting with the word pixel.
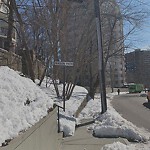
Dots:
pixel 61 63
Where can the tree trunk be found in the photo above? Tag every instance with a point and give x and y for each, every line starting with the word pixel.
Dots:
pixel 27 55
pixel 56 88
pixel 93 88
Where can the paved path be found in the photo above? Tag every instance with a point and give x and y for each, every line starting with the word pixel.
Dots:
pixel 83 140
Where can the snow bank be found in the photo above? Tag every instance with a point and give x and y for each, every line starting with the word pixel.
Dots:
pixel 67 124
pixel 111 123
pixel 115 146
pixel 121 146
pixel 22 103
pixel 67 121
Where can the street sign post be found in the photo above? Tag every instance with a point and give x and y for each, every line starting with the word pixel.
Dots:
pixel 101 59
pixel 64 65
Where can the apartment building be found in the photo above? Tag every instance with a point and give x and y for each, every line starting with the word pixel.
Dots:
pixel 82 39
pixel 137 65
pixel 4 13
pixel 113 44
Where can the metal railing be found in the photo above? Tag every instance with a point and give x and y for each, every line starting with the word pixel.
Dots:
pixel 58 116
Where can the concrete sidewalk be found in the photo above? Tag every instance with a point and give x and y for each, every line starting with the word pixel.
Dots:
pixel 83 140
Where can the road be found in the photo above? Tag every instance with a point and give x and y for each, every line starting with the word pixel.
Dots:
pixel 134 109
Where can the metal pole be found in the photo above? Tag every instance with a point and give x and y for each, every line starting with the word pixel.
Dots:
pixel 58 120
pixel 101 61
pixel 64 80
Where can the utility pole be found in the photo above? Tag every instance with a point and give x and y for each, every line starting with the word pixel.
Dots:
pixel 101 61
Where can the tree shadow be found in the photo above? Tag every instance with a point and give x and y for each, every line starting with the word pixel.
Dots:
pixel 147 105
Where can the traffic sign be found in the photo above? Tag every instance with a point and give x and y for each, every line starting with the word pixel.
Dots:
pixel 61 63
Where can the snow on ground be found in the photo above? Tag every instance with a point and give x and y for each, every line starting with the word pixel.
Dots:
pixel 72 105
pixel 121 146
pixel 22 103
pixel 17 115
pixel 111 124
pixel 67 121
pixel 78 95
pixel 67 124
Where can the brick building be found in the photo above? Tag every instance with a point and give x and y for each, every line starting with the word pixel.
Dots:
pixel 138 67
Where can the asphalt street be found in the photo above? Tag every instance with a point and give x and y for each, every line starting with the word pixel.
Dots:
pixel 133 108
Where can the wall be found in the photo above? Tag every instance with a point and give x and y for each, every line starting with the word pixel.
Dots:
pixel 10 59
pixel 41 136
pixel 14 62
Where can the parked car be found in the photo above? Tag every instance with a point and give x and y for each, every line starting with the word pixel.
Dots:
pixel 148 96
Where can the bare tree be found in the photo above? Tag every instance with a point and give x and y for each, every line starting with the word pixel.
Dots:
pixel 25 50
pixel 66 31
pixel 113 19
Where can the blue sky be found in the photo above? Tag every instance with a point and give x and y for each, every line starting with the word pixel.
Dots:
pixel 141 38
pixel 143 35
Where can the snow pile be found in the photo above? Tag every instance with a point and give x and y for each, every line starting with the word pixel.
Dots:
pixel 22 103
pixel 92 109
pixel 67 124
pixel 111 124
pixel 67 121
pixel 115 146
pixel 76 99
pixel 121 146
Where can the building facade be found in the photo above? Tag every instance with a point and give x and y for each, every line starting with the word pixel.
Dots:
pixel 138 67
pixel 4 14
pixel 113 43
pixel 82 41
